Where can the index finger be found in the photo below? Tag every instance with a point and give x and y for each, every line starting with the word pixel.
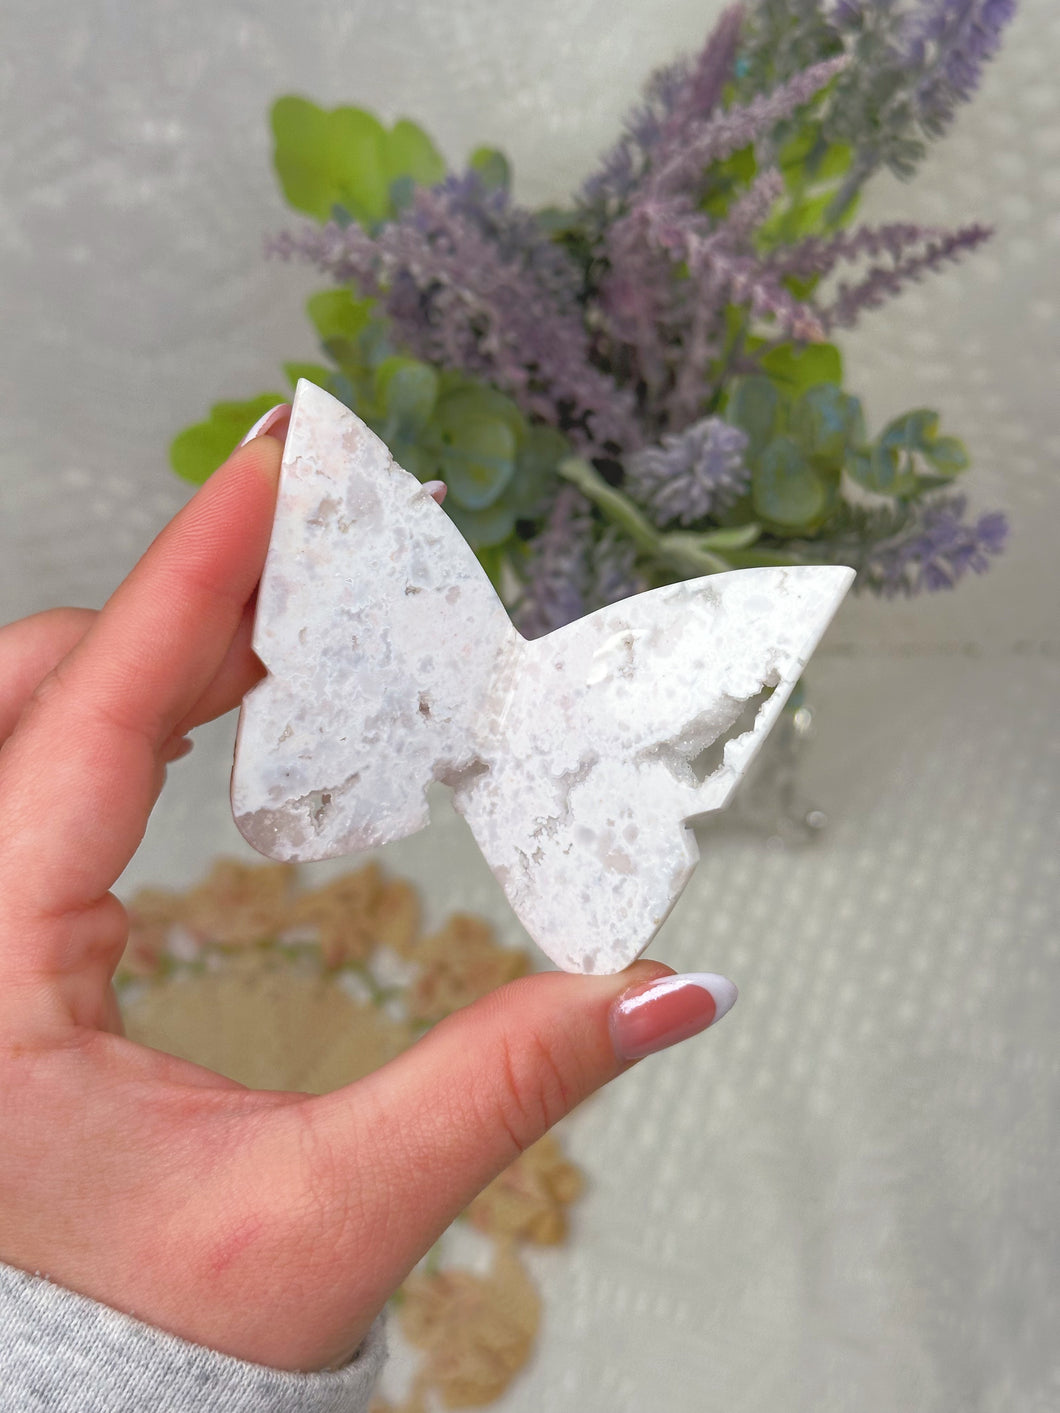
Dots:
pixel 80 775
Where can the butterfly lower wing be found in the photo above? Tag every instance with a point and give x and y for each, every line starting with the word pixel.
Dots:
pixel 583 811
pixel 382 638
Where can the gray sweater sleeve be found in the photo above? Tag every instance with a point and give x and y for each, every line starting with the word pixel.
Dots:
pixel 64 1353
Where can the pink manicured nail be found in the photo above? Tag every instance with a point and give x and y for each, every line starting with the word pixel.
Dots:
pixel 272 424
pixel 659 1013
pixel 436 490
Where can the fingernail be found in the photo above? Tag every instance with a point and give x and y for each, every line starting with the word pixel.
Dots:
pixel 180 748
pixel 659 1013
pixel 272 424
pixel 436 490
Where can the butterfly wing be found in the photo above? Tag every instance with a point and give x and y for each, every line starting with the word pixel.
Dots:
pixel 382 637
pixel 602 764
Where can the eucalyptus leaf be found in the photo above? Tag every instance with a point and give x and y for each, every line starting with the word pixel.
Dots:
pixel 477 458
pixel 801 366
pixel 493 558
pixel 342 162
pixel 196 452
pixel 408 389
pixel 826 420
pixel 461 398
pixel 331 157
pixel 482 528
pixel 402 190
pixel 493 168
pixel 336 314
pixel 948 455
pixel 540 452
pixel 787 488
pixel 886 470
pixel 755 407
pixel 311 372
pixel 913 431
pixel 410 153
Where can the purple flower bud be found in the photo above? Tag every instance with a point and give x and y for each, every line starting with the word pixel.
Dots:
pixel 692 474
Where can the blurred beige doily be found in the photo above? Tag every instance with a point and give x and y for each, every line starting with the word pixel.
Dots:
pixel 283 988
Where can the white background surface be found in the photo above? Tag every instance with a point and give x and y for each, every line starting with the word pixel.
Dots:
pixel 846 1197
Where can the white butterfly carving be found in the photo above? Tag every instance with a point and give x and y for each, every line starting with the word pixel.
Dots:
pixel 576 759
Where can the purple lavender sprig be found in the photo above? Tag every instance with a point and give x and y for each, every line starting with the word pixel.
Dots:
pixel 949 42
pixel 459 297
pixel 672 270
pixel 910 253
pixel 672 274
pixel 913 63
pixel 675 97
pixel 939 552
pixel 681 167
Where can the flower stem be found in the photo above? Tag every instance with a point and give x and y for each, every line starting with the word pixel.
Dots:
pixel 681 552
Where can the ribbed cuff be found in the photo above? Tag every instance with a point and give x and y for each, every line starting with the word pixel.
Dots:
pixel 63 1353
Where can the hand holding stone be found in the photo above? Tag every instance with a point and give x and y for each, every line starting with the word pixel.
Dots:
pixel 269 1226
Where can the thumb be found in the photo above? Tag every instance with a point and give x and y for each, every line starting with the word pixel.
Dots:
pixel 414 1142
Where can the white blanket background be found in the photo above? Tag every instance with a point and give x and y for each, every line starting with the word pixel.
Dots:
pixel 847 1197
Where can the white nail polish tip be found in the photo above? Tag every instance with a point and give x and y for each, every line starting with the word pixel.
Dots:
pixel 260 424
pixel 720 987
pixel 436 490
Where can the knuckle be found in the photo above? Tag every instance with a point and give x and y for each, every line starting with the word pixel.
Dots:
pixel 531 1090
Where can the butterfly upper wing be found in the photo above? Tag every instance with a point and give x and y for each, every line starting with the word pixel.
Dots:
pixel 382 637
pixel 582 809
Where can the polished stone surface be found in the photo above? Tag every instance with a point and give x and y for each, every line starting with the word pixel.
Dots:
pixel 577 759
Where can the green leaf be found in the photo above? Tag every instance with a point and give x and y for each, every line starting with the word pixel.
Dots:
pixel 197 452
pixel 328 158
pixel 948 455
pixel 755 406
pixel 536 468
pixel 492 558
pixel 492 167
pixel 335 314
pixel 800 366
pixel 913 431
pixel 793 153
pixel 885 470
pixel 834 164
pixel 806 216
pixel 402 190
pixel 729 179
pixel 483 528
pixel 555 221
pixel 417 460
pixel 409 152
pixel 408 389
pixel 312 372
pixel 787 488
pixel 826 420
pixel 461 398
pixel 734 537
pixel 477 459
pixel 342 163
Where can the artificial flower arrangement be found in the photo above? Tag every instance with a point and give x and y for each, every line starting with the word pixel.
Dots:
pixel 643 385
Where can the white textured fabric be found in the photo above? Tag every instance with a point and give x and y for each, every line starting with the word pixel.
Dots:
pixel 846 1196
